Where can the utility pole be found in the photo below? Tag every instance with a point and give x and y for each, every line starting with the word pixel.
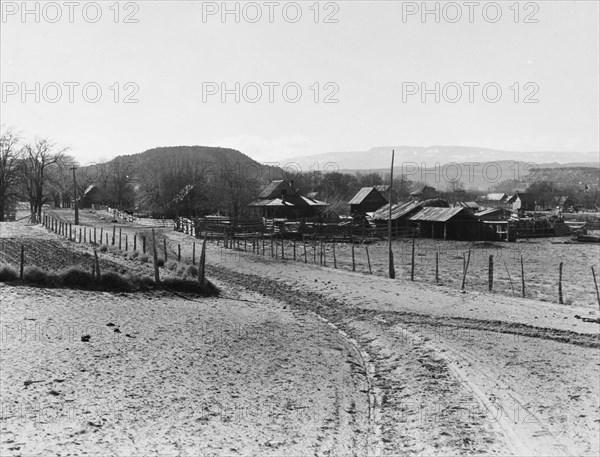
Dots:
pixel 75 197
pixel 392 271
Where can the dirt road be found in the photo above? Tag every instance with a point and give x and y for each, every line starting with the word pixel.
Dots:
pixel 298 359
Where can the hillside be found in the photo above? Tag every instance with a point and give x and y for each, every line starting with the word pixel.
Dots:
pixel 209 179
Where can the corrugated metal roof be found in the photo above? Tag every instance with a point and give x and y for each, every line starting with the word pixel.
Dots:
pixel 487 212
pixel 314 202
pixel 438 214
pixel 398 211
pixel 361 195
pixel 472 205
pixel 496 197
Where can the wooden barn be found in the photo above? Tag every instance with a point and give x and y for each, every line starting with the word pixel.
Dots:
pixel 366 200
pixel 280 201
pixel 448 223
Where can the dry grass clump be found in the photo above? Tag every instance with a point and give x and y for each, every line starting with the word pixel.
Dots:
pixel 109 281
pixel 7 273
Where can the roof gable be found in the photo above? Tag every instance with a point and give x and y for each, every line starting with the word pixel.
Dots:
pixel 274 188
pixel 362 194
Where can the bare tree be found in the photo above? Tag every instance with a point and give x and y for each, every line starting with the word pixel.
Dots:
pixel 37 158
pixel 10 152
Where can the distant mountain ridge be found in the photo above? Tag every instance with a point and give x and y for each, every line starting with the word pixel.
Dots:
pixel 379 158
pixel 477 168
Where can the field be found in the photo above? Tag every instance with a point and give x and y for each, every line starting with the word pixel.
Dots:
pixel 300 359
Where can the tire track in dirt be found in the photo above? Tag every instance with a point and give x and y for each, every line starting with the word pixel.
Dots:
pixel 427 364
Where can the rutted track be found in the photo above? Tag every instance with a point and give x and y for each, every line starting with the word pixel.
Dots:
pixel 321 304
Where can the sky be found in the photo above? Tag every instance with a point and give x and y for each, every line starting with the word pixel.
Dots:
pixel 309 77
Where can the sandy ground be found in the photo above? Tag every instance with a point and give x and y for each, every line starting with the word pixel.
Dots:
pixel 242 375
pixel 338 363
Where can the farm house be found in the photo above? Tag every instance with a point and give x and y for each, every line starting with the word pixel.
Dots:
pixel 447 223
pixel 521 202
pixel 366 200
pixel 280 201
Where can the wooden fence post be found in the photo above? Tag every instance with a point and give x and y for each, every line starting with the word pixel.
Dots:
pixel 126 242
pixel 412 260
pixel 202 265
pixel 80 235
pixel 113 237
pixel 353 263
pixel 522 277
pixel 156 273
pixel 22 262
pixel 84 235
pixel 70 232
pixel 464 278
pixel 334 258
pixel 97 264
pixel 106 238
pixel 324 250
pixel 491 273
pixel 321 253
pixel 178 252
pixel 368 259
pixel 194 253
pixel 294 249
pixel 282 248
pixel 165 249
pixel 135 241
pixel 560 292
pixel 596 285
pixel 119 238
pixel 144 243
pixel 314 251
pixel 272 254
pixel 101 234
pixel 437 267
pixel 95 236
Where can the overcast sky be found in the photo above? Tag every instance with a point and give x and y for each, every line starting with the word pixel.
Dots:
pixel 173 54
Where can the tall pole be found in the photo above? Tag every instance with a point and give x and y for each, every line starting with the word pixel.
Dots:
pixel 392 271
pixel 75 196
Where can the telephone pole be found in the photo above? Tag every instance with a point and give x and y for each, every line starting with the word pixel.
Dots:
pixel 75 197
pixel 392 271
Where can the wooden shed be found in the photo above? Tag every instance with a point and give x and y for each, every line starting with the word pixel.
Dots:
pixel 366 200
pixel 448 223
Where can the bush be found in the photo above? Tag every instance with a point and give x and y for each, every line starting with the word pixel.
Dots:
pixel 171 265
pixel 38 276
pixel 183 285
pixel 181 270
pixel 7 273
pixel 114 282
pixel 160 262
pixel 134 255
pixel 143 258
pixel 191 271
pixel 103 248
pixel 141 282
pixel 75 277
